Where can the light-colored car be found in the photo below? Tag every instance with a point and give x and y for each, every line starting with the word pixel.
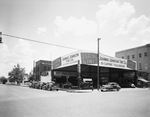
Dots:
pixel 110 86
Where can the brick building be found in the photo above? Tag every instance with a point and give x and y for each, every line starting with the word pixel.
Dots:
pixel 141 55
pixel 41 67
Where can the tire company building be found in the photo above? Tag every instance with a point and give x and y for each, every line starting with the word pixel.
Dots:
pixel 78 66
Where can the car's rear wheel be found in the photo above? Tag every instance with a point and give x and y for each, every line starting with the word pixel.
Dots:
pixel 118 89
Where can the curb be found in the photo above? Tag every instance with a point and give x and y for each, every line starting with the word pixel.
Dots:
pixel 78 91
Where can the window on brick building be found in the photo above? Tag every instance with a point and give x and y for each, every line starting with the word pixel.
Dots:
pixel 140 55
pixel 145 54
pixel 133 56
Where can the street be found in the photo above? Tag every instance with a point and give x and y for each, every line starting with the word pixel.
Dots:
pixel 17 101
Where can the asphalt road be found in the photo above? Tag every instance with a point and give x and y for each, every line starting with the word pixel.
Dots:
pixel 16 101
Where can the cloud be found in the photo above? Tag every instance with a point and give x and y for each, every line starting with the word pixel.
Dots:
pixel 113 21
pixel 21 53
pixel 4 53
pixel 113 17
pixel 75 27
pixel 41 30
pixel 117 21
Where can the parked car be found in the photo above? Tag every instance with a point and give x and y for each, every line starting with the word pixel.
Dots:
pixel 110 86
pixel 86 85
pixel 128 85
pixel 41 84
pixel 33 84
pixel 38 85
pixel 67 85
pixel 50 86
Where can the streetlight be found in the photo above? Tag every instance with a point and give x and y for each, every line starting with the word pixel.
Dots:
pixel 98 64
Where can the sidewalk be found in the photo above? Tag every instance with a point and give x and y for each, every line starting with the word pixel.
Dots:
pixel 95 90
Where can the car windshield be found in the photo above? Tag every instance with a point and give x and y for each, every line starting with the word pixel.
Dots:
pixel 111 83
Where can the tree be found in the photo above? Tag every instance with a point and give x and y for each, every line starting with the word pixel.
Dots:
pixel 3 80
pixel 17 74
pixel 31 76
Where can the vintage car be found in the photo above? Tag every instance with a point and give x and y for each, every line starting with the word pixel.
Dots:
pixel 128 85
pixel 50 86
pixel 86 85
pixel 67 85
pixel 39 85
pixel 110 86
pixel 33 84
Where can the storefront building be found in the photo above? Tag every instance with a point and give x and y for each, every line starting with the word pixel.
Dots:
pixel 83 65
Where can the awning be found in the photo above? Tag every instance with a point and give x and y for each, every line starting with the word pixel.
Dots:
pixel 143 80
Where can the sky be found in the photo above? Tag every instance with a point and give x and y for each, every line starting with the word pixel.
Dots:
pixel 121 24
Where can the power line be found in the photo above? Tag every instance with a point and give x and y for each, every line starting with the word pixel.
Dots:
pixel 27 39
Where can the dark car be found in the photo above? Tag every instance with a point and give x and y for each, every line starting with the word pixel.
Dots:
pixel 33 84
pixel 128 85
pixel 39 85
pixel 110 86
pixel 50 86
pixel 67 85
pixel 86 85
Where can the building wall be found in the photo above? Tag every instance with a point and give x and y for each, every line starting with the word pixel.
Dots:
pixel 41 67
pixel 139 54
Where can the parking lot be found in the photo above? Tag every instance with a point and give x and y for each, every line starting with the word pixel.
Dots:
pixel 17 101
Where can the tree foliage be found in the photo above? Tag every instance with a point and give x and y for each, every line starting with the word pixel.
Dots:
pixel 31 76
pixel 16 74
pixel 3 80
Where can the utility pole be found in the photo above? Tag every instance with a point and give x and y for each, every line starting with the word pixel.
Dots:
pixel 98 64
pixel 1 37
pixel 79 74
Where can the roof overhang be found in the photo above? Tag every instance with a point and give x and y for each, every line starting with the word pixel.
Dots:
pixel 90 58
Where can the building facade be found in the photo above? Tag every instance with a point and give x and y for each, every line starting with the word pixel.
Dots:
pixel 40 67
pixel 139 54
pixel 83 65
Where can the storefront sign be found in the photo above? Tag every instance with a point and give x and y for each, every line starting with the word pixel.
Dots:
pixel 89 58
pixel 70 59
pixel 113 62
pixel 56 63
pixel 131 64
pixel 62 73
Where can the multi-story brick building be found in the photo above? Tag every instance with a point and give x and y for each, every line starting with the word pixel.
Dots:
pixel 139 54
pixel 40 67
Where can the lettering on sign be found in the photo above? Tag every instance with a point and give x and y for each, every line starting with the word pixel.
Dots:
pixel 62 73
pixel 112 62
pixel 70 59
pixel 57 63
